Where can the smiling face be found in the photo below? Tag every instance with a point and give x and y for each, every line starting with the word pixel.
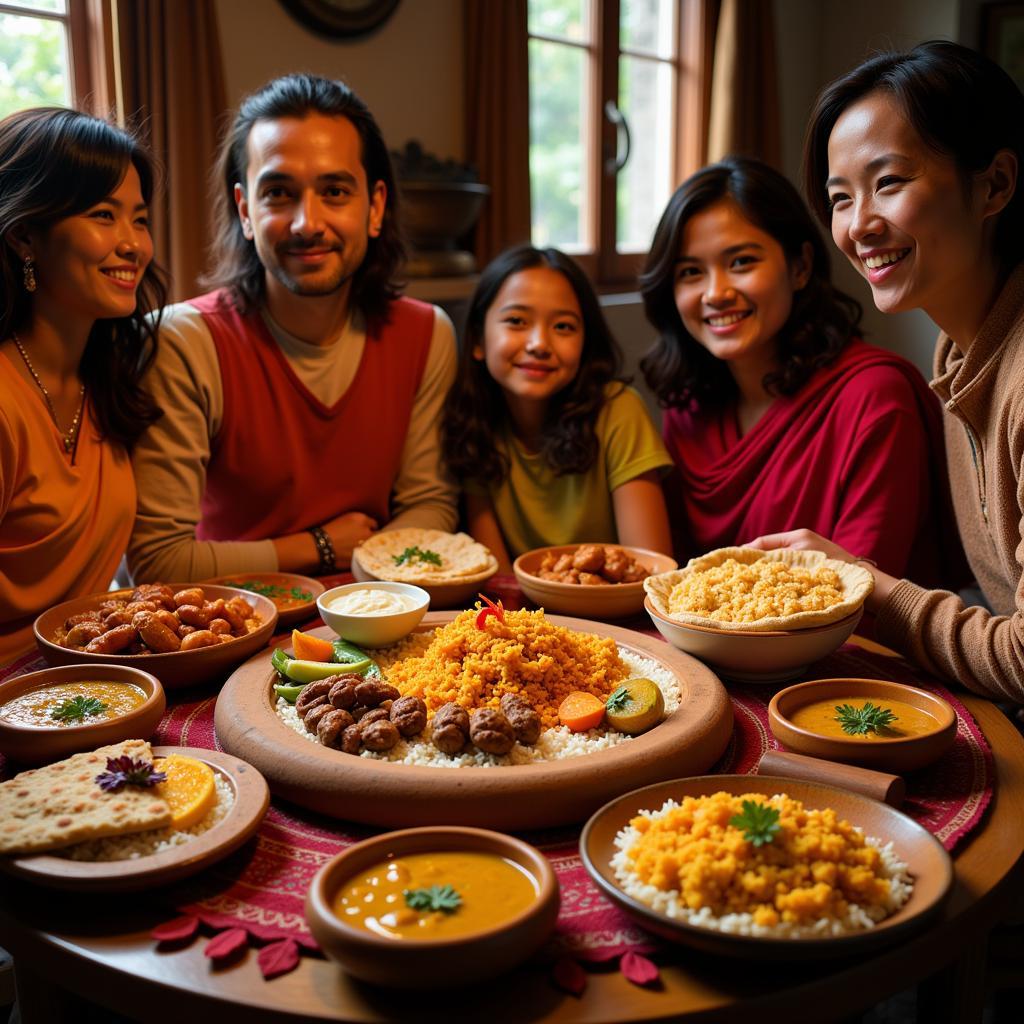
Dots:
pixel 533 337
pixel 900 212
pixel 90 265
pixel 733 284
pixel 307 205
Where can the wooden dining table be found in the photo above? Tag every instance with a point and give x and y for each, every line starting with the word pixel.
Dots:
pixel 70 947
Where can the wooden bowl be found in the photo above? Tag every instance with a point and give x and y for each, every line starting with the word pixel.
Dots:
pixel 431 963
pixel 616 601
pixel 36 745
pixel 176 669
pixel 755 657
pixel 890 754
pixel 459 594
pixel 374 631
pixel 288 614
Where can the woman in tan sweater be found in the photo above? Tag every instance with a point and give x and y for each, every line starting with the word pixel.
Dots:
pixel 912 161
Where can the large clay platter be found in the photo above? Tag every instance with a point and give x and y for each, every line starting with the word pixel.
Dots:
pixel 929 864
pixel 251 801
pixel 376 792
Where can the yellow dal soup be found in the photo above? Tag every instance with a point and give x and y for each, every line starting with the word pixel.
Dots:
pixel 68 704
pixel 388 898
pixel 821 717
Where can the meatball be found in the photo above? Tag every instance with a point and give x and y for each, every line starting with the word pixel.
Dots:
pixel 343 690
pixel 523 719
pixel 372 692
pixel 379 735
pixel 409 715
pixel 312 717
pixel 311 696
pixel 331 728
pixel 450 728
pixel 491 731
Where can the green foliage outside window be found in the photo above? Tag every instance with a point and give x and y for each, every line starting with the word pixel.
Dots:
pixel 33 64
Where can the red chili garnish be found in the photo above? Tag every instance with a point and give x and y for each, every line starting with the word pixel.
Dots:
pixel 490 609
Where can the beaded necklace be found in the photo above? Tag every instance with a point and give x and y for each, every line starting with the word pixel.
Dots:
pixel 70 436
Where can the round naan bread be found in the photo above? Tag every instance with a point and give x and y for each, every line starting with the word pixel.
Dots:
pixel 462 559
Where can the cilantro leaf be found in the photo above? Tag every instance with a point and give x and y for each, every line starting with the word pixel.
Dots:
pixel 436 897
pixel 759 822
pixel 861 721
pixel 77 709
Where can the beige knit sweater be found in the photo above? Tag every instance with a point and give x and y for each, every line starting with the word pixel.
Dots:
pixel 983 394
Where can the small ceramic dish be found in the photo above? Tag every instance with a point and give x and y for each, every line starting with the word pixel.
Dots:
pixel 615 601
pixel 377 629
pixel 919 735
pixel 295 596
pixel 755 657
pixel 457 594
pixel 174 669
pixel 434 962
pixel 44 744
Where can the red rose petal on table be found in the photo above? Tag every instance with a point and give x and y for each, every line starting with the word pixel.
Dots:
pixel 174 931
pixel 278 958
pixel 638 969
pixel 569 976
pixel 226 943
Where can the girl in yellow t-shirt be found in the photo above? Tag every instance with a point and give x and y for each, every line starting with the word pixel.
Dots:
pixel 551 445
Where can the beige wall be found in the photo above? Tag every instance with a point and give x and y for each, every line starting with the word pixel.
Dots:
pixel 409 72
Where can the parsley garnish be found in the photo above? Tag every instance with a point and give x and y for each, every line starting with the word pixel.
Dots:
pixel 436 897
pixel 126 771
pixel 75 709
pixel 758 821
pixel 271 590
pixel 617 699
pixel 861 721
pixel 417 554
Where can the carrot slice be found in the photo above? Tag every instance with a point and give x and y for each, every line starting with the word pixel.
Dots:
pixel 311 648
pixel 581 711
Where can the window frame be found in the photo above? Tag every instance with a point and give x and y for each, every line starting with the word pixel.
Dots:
pixel 691 60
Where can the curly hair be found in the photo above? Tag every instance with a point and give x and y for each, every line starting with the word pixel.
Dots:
pixel 54 164
pixel 822 319
pixel 962 104
pixel 236 265
pixel 475 414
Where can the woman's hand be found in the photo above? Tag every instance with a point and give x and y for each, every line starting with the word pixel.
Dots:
pixel 801 540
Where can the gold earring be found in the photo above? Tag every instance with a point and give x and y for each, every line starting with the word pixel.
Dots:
pixel 29 274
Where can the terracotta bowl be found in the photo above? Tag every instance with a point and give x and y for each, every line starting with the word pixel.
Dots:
pixel 459 594
pixel 289 615
pixel 749 657
pixel 35 745
pixel 176 669
pixel 374 630
pixel 616 601
pixel 890 754
pixel 431 963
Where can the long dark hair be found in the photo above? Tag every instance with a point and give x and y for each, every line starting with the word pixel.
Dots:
pixel 475 413
pixel 235 263
pixel 821 322
pixel 961 104
pixel 56 163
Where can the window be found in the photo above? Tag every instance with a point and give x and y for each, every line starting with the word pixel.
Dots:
pixel 49 50
pixel 608 85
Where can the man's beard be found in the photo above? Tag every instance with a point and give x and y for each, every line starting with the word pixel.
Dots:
pixel 312 284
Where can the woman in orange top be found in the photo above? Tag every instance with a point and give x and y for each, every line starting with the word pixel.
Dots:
pixel 76 282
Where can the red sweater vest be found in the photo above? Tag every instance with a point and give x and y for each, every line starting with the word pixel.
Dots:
pixel 283 461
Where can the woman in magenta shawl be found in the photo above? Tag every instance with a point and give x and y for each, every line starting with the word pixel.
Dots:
pixel 777 414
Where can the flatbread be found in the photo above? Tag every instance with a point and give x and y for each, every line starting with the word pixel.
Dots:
pixel 61 804
pixel 856 583
pixel 463 560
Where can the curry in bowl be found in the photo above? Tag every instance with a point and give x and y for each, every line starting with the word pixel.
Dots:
pixel 48 715
pixel 868 722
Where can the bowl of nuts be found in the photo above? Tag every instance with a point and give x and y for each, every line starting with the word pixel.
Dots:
pixel 596 581
pixel 182 633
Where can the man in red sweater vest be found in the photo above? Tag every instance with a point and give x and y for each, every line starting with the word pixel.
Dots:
pixel 301 394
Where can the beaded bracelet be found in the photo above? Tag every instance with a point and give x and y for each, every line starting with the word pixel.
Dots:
pixel 325 549
pixel 870 561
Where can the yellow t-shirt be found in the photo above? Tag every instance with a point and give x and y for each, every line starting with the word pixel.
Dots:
pixel 535 508
pixel 63 526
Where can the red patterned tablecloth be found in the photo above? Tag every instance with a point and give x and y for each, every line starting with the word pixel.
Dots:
pixel 262 887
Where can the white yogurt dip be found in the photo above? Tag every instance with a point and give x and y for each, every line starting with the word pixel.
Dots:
pixel 371 602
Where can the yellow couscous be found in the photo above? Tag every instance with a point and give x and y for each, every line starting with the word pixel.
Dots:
pixel 735 592
pixel 816 866
pixel 525 654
